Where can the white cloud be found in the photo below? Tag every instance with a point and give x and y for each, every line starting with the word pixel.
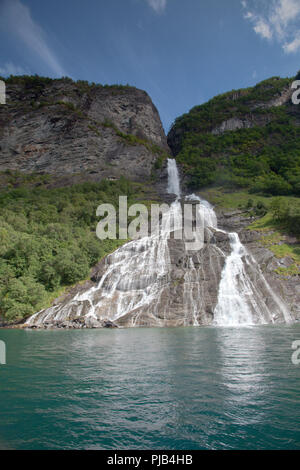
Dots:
pixel 293 46
pixel 158 5
pixel 16 19
pixel 10 69
pixel 262 28
pixel 248 15
pixel 277 20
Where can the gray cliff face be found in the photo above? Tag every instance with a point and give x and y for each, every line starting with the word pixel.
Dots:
pixel 232 124
pixel 251 120
pixel 280 99
pixel 62 128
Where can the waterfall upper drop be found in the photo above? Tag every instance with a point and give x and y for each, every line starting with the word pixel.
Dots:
pixel 173 178
pixel 158 281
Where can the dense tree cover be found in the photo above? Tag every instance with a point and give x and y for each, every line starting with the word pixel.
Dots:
pixel 235 103
pixel 38 82
pixel 286 215
pixel 264 158
pixel 48 240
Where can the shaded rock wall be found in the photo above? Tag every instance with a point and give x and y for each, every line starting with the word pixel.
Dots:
pixel 64 128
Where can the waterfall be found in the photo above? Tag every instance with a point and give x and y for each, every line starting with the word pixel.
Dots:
pixel 155 281
pixel 236 295
pixel 173 178
pixel 241 300
pixel 134 279
pixel 206 212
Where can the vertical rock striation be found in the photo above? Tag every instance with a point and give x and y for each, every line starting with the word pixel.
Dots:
pixel 61 127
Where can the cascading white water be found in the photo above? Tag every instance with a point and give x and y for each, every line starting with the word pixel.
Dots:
pixel 137 279
pixel 173 178
pixel 240 301
pixel 235 290
pixel 207 214
pixel 134 279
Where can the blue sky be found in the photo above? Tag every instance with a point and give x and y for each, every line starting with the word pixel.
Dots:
pixel 182 52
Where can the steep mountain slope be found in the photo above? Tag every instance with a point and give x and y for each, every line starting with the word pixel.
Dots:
pixel 160 280
pixel 241 150
pixel 65 148
pixel 55 133
pixel 64 127
pixel 245 138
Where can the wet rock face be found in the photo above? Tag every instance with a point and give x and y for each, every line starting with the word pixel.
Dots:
pixel 61 129
pixel 228 279
pixel 182 286
pixel 287 287
pixel 185 294
pixel 195 276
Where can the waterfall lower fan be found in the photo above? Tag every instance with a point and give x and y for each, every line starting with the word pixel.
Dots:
pixel 160 281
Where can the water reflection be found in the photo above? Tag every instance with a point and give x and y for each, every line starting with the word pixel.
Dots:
pixel 210 388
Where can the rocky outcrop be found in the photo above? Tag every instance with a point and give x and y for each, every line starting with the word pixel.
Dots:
pixel 280 99
pixel 234 220
pixel 252 119
pixel 62 128
pixel 232 124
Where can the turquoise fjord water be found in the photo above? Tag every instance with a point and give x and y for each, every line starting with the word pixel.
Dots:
pixel 185 388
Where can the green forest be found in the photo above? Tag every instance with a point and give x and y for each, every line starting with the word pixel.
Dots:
pixel 48 238
pixel 265 158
